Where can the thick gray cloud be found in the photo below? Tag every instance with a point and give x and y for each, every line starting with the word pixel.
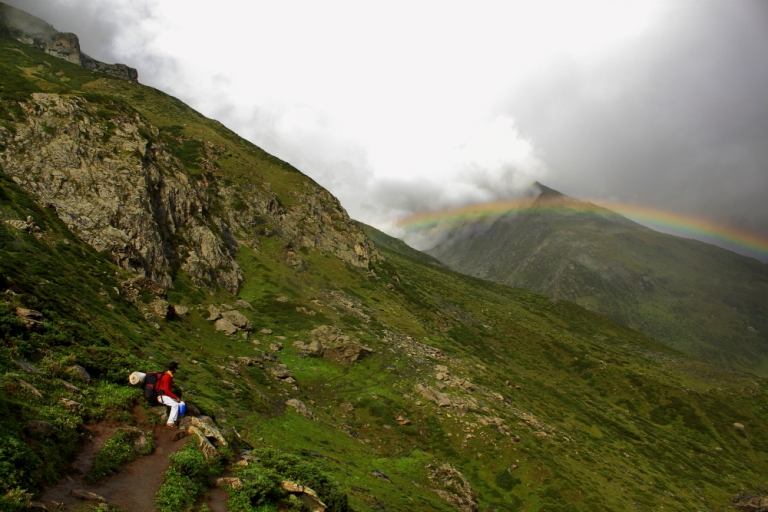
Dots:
pixel 674 117
pixel 679 121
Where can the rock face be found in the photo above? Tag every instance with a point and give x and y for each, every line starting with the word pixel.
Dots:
pixel 457 489
pixel 35 32
pixel 112 181
pixel 333 344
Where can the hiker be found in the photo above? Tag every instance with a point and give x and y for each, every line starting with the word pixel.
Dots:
pixel 164 391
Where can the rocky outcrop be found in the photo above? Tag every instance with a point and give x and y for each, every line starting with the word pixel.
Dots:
pixel 114 183
pixel 308 497
pixel 333 344
pixel 125 194
pixel 35 32
pixel 456 488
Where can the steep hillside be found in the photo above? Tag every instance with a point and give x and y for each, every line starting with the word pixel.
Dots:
pixel 136 231
pixel 698 298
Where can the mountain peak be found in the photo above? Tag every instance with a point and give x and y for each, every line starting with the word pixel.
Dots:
pixel 546 191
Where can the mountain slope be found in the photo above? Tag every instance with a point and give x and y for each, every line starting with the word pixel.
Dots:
pixel 392 382
pixel 697 298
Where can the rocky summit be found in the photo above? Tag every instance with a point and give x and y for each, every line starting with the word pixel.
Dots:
pixel 324 365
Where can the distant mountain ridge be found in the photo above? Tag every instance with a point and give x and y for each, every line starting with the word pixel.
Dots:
pixel 696 297
pixel 35 32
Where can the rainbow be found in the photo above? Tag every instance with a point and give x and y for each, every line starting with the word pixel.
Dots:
pixel 722 235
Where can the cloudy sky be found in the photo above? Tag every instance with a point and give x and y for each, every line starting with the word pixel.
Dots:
pixel 403 107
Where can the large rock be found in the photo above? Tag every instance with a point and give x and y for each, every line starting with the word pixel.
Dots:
pixel 209 430
pixel 300 408
pixel 180 310
pixel 225 326
pixel 338 346
pixel 308 497
pixel 32 319
pixel 433 395
pixel 237 319
pixel 312 349
pixel 161 308
pixel 209 451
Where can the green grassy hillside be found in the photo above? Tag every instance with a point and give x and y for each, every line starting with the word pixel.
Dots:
pixel 695 297
pixel 468 395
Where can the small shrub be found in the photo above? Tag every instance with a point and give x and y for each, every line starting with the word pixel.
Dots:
pixel 261 483
pixel 185 479
pixel 17 463
pixel 115 453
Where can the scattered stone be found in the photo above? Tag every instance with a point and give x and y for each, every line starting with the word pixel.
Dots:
pixel 244 335
pixel 19 224
pixel 281 373
pixel 209 451
pixel 214 313
pixel 282 299
pixel 431 394
pixel 379 474
pixel 738 426
pixel 82 372
pixel 346 407
pixel 751 503
pixel 266 331
pixel 306 311
pixel 225 326
pixel 402 420
pixel 240 303
pixel 180 310
pixel 312 349
pixel 192 410
pixel 276 347
pixel 29 387
pixel 242 463
pixel 308 497
pixel 140 444
pixel 300 408
pixel 37 505
pixel 88 496
pixel 70 387
pixel 40 428
pixel 25 366
pixel 238 320
pixel 227 481
pixel 70 404
pixel 441 368
pixel 161 308
pixel 33 320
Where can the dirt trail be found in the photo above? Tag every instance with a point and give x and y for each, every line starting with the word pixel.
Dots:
pixel 133 488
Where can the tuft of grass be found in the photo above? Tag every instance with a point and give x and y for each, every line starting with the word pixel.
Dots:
pixel 116 452
pixel 186 479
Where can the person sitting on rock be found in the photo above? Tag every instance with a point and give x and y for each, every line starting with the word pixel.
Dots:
pixel 165 393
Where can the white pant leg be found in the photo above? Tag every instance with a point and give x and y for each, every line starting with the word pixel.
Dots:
pixel 174 405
